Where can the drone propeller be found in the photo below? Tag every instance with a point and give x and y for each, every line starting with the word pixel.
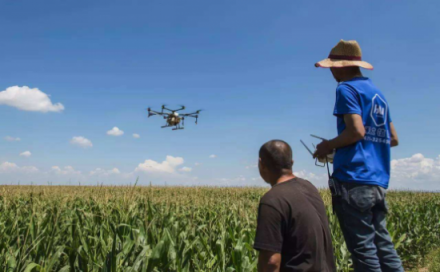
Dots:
pixel 149 112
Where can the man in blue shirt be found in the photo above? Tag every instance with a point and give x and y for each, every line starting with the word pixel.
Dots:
pixel 362 160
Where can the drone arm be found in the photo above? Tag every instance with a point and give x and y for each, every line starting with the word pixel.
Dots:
pixel 152 112
pixel 165 108
pixel 182 108
pixel 188 115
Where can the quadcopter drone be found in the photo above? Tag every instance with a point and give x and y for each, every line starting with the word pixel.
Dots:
pixel 173 118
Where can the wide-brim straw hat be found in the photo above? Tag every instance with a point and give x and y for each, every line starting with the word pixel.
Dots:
pixel 345 54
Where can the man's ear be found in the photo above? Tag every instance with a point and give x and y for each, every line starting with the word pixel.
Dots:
pixel 293 162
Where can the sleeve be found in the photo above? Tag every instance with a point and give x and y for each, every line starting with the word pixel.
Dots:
pixel 347 101
pixel 389 115
pixel 269 229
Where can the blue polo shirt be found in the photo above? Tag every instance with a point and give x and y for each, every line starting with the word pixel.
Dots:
pixel 366 161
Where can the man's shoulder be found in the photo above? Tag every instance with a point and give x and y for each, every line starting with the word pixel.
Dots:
pixel 357 85
pixel 347 86
pixel 291 190
pixel 270 197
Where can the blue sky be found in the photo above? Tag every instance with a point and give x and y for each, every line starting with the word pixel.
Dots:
pixel 248 64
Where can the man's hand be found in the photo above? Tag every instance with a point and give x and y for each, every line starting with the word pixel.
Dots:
pixel 394 138
pixel 354 131
pixel 323 149
pixel 269 261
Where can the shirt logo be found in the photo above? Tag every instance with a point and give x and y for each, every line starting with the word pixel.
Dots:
pixel 379 110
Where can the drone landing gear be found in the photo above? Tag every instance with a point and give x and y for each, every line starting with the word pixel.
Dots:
pixel 177 128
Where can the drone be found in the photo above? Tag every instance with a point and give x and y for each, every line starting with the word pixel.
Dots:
pixel 173 118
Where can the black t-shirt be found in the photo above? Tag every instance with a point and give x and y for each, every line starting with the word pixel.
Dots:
pixel 292 221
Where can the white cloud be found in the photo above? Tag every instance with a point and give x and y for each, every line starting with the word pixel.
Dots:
pixel 416 172
pixel 137 136
pixel 67 170
pixel 12 139
pixel 167 166
pixel 213 156
pixel 115 131
pixel 115 171
pixel 102 172
pixel 27 99
pixel 237 181
pixel 81 141
pixel 26 154
pixel 251 166
pixel 9 167
pixel 29 169
pixel 185 169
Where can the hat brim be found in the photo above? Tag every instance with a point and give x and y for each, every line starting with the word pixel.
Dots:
pixel 329 63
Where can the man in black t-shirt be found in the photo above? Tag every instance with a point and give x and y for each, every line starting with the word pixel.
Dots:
pixel 292 232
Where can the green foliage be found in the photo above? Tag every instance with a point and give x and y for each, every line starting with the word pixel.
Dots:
pixel 169 229
pixel 434 261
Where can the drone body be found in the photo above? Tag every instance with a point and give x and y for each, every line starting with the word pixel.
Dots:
pixel 173 118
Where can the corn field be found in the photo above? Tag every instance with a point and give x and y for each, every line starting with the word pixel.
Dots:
pixel 55 228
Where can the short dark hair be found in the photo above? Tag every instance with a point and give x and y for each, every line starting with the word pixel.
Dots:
pixel 276 155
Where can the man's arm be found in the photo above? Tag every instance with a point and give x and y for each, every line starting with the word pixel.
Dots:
pixel 354 131
pixel 269 238
pixel 394 138
pixel 269 261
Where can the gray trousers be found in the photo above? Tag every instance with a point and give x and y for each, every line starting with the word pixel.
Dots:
pixel 361 210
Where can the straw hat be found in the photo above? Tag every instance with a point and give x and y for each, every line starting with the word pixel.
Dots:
pixel 345 54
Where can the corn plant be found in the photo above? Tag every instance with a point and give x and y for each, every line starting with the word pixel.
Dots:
pixel 56 228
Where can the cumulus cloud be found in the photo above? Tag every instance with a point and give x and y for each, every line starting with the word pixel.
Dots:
pixel 185 169
pixel 137 136
pixel 103 172
pixel 67 170
pixel 29 169
pixel 416 172
pixel 213 156
pixel 26 154
pixel 115 131
pixel 27 99
pixel 167 166
pixel 12 139
pixel 319 180
pixel 81 141
pixel 236 181
pixel 9 167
